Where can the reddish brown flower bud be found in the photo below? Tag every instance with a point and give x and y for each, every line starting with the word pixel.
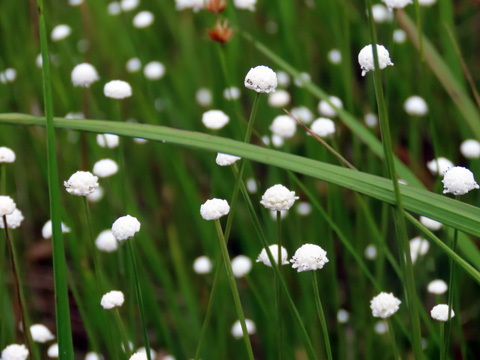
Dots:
pixel 221 33
pixel 216 6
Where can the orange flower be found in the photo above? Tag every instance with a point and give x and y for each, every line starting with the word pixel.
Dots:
pixel 221 33
pixel 216 6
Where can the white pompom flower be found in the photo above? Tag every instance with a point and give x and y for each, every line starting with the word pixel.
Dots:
pixel 139 356
pixel 129 5
pixel 283 126
pixel 7 155
pixel 343 316
pixel 325 109
pixel 371 120
pixel 133 65
pixel 231 93
pixel 458 181
pixel 84 75
pixel 117 89
pixel 154 70
pixel 440 312
pixel 370 252
pixel 125 227
pixel 430 223
pixel 262 79
pixel 278 198
pixel 226 159
pixel 334 56
pixel 418 247
pixel 309 257
pixel 381 14
pixel 112 299
pixel 40 333
pixel 384 305
pixel 263 256
pixel 437 287
pixel 114 8
pixel 241 266
pixel 415 106
pixel 365 58
pixel 7 205
pixel 399 36
pixel 203 96
pixel 323 127
pixel 143 19
pixel 215 119
pixel 82 183
pixel 60 32
pixel 303 114
pixel 469 148
pixel 15 352
pixel 245 4
pixel 214 209
pixel 14 220
pixel 93 356
pixel 279 98
pixel 105 168
pixel 396 4
pixel 237 331
pixel 105 241
pixel 53 351
pixel 443 165
pixel 47 229
pixel 108 140
pixel 202 265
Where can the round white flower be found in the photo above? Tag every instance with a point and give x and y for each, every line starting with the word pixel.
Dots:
pixel 437 287
pixel 226 159
pixel 399 36
pixel 154 70
pixel 47 229
pixel 82 183
pixel 10 75
pixel 84 75
pixel 303 114
pixel 215 119
pixel 129 5
pixel 52 351
pixel 117 89
pixel 384 305
pixel 325 109
pixel 139 356
pixel 440 312
pixel 396 4
pixel 108 140
pixel 279 98
pixel 6 155
pixel 283 79
pixel 125 227
pixel 426 2
pixel 7 205
pixel 443 163
pixel 237 331
pixel 114 8
pixel 15 352
pixel 365 58
pixel 418 246
pixel 93 356
pixel 371 252
pixel 143 350
pixel 97 195
pixel 309 257
pixel 75 2
pixel 14 220
pixel 343 316
pixel 381 327
pixel 245 4
pixel 214 209
pixel 415 106
pixel 263 257
pixel 469 148
pixel 278 198
pixel 284 126
pixel 112 299
pixel 196 5
pixel 323 127
pixel 262 79
pixel 241 266
pixel 251 185
pixel 381 14
pixel 143 19
pixel 304 208
pixel 61 32
pixel 105 241
pixel 40 333
pixel 203 97
pixel 105 168
pixel 371 120
pixel 202 265
pixel 231 93
pixel 430 224
pixel 304 78
pixel 334 56
pixel 133 65
pixel 458 181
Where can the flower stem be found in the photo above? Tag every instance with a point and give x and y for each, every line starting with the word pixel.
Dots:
pixel 233 287
pixel 321 316
pixel 443 341
pixel 123 333
pixel 278 294
pixel 391 331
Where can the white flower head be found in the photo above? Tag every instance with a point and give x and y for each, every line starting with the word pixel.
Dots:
pixel 47 229
pixel 139 356
pixel 418 247
pixel 226 159
pixel 60 32
pixel 245 4
pixel 6 155
pixel 196 5
pixel 202 265
pixel 125 227
pixel 108 140
pixel 84 75
pixel 384 305
pixel 458 181
pixel 399 36
pixel 380 14
pixel 251 184
pixel 215 119
pixel 237 331
pixel 430 223
pixel 437 287
pixel 440 312
pixel 325 109
pixel 469 148
pixel 323 127
pixel 114 8
pixel 371 252
pixel 203 97
pixel 284 126
pixel 40 333
pixel 7 205
pixel 371 120
pixel 365 58
pixel 105 241
pixel 52 351
pixel 263 257
pixel 381 327
pixel 143 19
pixel 133 65
pixel 93 356
pixel 129 5
pixel 112 299
pixel 443 165
pixel 343 316
pixel 231 93
pixel 82 183
pixel 426 2
pixel 396 4
pixel 105 168
pixel 14 220
pixel 15 352
pixel 143 350
pixel 304 208
pixel 97 195
pixel 302 114
pixel 334 56
pixel 117 89
pixel 75 2
pixel 154 70
pixel 241 266
pixel 283 79
pixel 279 98
pixel 214 209
pixel 278 198
pixel 309 257
pixel 302 79
pixel 262 79
pixel 415 106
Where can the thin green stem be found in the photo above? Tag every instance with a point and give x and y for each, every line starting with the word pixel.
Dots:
pixel 391 331
pixel 321 316
pixel 443 352
pixel 123 332
pixel 233 287
pixel 278 294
